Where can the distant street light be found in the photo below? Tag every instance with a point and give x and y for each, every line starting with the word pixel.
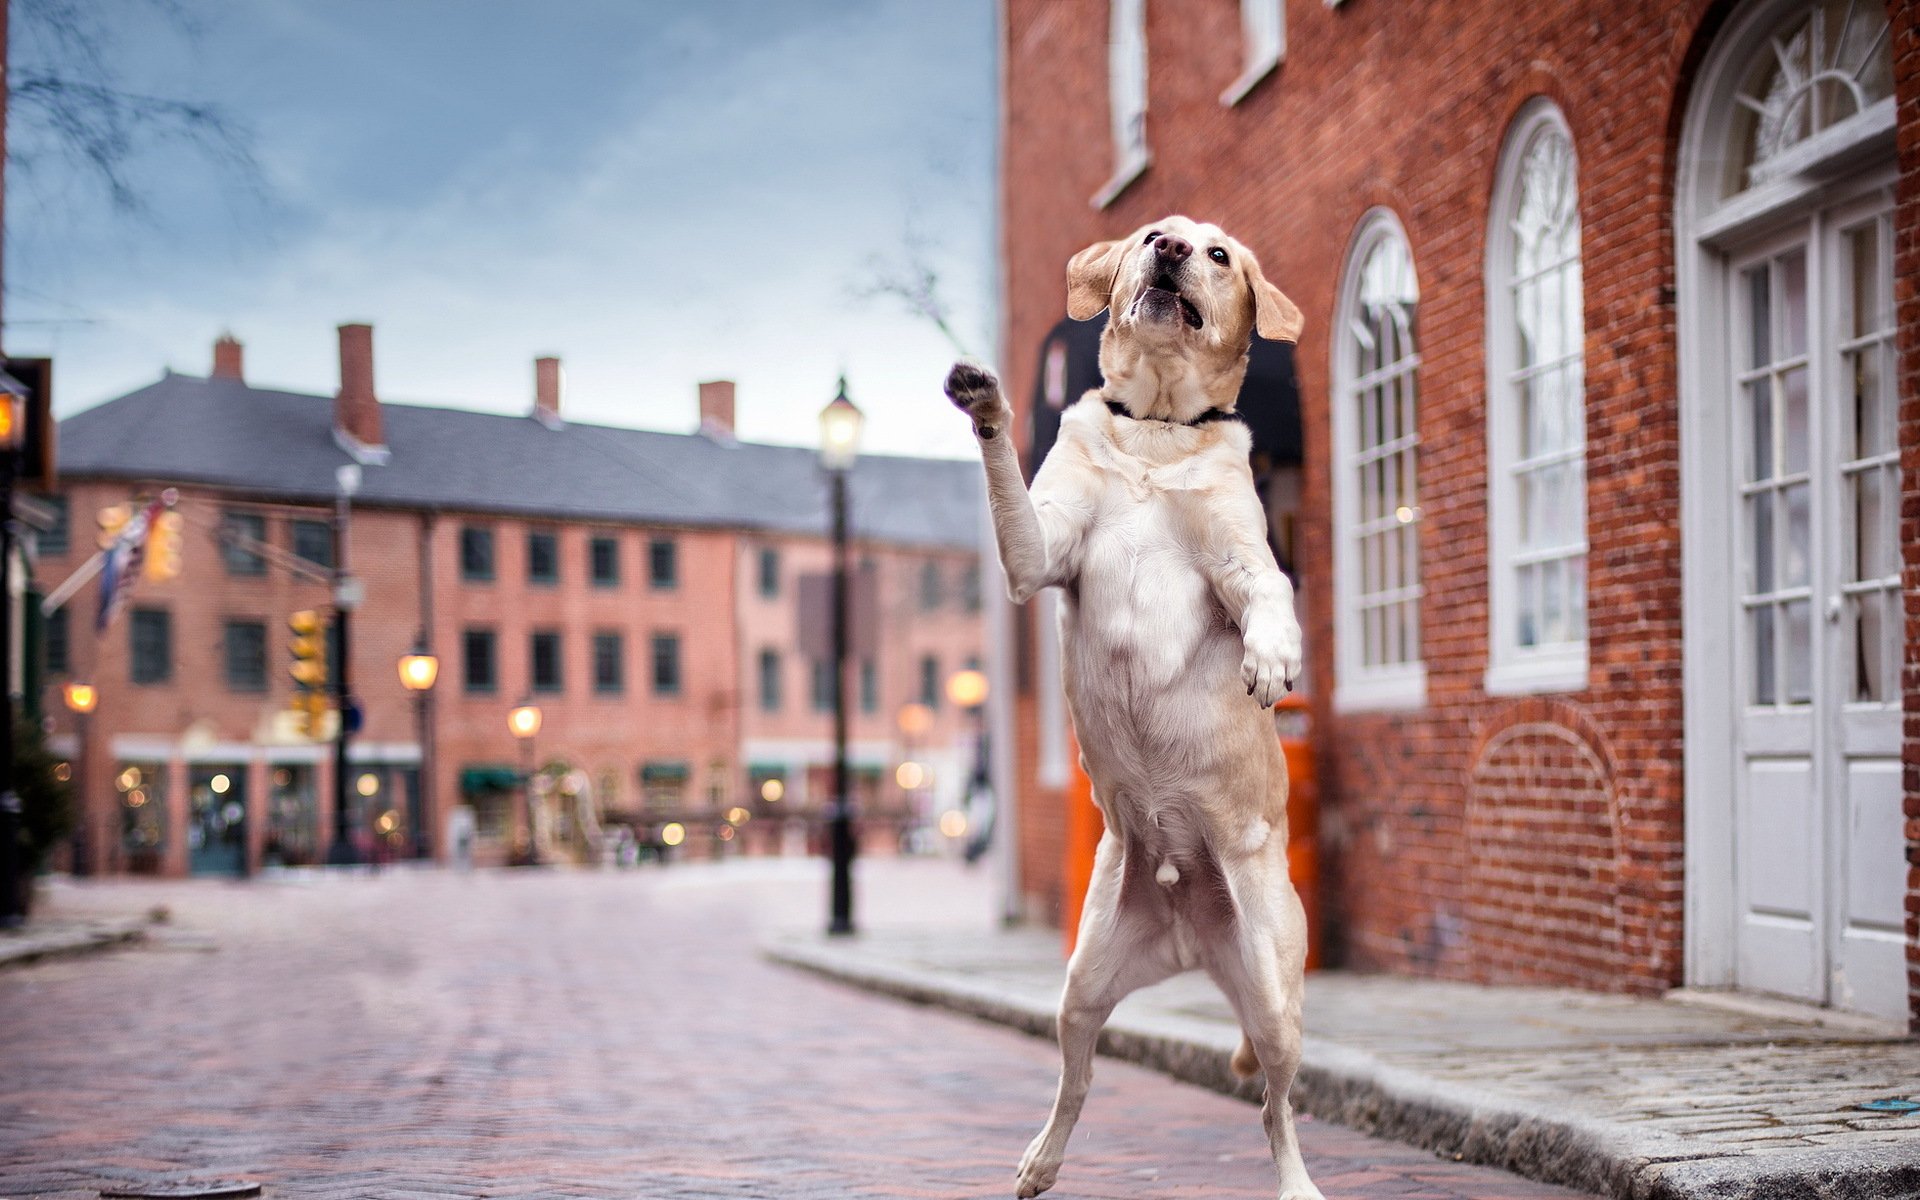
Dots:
pixel 417 674
pixel 840 423
pixel 968 690
pixel 524 723
pixel 81 699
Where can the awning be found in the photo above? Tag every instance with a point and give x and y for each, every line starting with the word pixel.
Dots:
pixel 475 781
pixel 763 770
pixel 664 772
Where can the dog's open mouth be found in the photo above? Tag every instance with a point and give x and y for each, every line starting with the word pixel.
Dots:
pixel 1162 297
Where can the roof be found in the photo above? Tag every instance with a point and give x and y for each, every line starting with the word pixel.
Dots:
pixel 222 433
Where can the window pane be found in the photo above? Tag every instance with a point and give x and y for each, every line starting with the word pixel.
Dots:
pixel 1796 562
pixel 150 634
pixel 1759 318
pixel 1871 612
pixel 666 664
pixel 545 667
pixel 1760 624
pixel 1863 255
pixel 609 666
pixel 313 541
pixel 1793 405
pixel 770 680
pixel 1760 428
pixel 476 554
pixel 239 560
pixel 604 553
pixel 246 652
pixel 1874 555
pixel 58 645
pixel 1799 651
pixel 663 568
pixel 543 557
pixel 477 649
pixel 769 572
pixel 1793 303
pixel 1760 542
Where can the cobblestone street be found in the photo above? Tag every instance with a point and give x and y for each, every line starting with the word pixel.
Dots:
pixel 559 1034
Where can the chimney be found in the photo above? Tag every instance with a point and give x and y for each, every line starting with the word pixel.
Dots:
pixel 716 409
pixel 228 358
pixel 547 384
pixel 356 410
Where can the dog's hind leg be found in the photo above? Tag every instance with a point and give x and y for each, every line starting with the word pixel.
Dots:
pixel 1118 950
pixel 1260 968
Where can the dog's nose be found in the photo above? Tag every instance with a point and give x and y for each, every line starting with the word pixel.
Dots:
pixel 1173 249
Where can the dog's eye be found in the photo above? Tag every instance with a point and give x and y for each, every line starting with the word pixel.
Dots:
pixel 1217 254
pixel 1150 237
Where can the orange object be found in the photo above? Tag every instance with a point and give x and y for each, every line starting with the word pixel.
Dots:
pixel 1303 814
pixel 1084 827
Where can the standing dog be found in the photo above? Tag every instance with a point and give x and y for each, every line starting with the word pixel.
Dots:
pixel 1177 633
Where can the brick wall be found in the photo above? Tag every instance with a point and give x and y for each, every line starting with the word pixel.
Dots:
pixel 1906 283
pixel 1406 106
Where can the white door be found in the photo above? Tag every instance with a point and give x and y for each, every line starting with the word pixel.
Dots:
pixel 1814 569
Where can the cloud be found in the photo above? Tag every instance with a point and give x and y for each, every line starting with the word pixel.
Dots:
pixel 706 226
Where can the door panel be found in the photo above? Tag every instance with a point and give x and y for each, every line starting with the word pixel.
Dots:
pixel 1817 605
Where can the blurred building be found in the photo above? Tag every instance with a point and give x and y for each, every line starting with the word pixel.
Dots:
pixel 643 589
pixel 1609 525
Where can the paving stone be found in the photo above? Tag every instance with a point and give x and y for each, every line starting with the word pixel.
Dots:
pixel 586 1035
pixel 1609 1093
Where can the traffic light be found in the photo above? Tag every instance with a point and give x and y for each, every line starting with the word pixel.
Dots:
pixel 112 519
pixel 308 668
pixel 163 548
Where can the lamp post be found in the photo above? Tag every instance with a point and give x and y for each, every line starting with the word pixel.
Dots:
pixel 840 423
pixel 524 722
pixel 417 673
pixel 967 690
pixel 13 422
pixel 346 598
pixel 81 700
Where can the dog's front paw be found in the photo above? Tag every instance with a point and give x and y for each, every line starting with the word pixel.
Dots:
pixel 1038 1169
pixel 975 391
pixel 1271 664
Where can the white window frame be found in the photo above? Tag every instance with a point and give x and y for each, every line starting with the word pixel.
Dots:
pixel 1359 687
pixel 1513 669
pixel 1263 40
pixel 1126 95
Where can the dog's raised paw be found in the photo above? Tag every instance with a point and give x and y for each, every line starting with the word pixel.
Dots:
pixel 975 391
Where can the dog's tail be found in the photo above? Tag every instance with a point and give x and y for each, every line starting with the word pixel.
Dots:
pixel 1246 1064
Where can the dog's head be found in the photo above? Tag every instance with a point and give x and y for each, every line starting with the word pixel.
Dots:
pixel 1180 290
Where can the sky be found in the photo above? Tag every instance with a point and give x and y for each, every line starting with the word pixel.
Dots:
pixel 658 192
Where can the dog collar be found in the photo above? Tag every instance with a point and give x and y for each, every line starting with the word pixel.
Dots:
pixel 1213 414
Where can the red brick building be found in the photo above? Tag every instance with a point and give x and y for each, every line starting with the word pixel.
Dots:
pixel 641 588
pixel 1610 513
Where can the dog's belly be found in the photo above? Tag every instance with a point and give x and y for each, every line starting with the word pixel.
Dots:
pixel 1152 665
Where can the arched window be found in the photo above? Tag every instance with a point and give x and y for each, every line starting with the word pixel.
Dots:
pixel 1830 62
pixel 1376 487
pixel 1536 414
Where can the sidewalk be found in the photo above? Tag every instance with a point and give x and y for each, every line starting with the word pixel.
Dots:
pixel 1632 1098
pixel 52 937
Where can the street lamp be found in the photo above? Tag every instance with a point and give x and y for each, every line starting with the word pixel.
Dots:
pixel 968 691
pixel 524 722
pixel 13 423
pixel 840 423
pixel 81 700
pixel 417 673
pixel 346 597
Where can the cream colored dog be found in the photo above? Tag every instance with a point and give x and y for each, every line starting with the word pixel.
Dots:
pixel 1177 633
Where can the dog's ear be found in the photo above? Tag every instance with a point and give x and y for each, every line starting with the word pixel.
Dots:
pixel 1275 317
pixel 1090 276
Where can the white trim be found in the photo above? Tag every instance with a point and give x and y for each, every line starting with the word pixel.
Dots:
pixel 1126 95
pixel 1357 687
pixel 1513 669
pixel 1260 59
pixel 1703 223
pixel 1128 171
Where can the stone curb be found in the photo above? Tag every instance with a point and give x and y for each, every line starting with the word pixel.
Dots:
pixel 1356 1089
pixel 32 945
